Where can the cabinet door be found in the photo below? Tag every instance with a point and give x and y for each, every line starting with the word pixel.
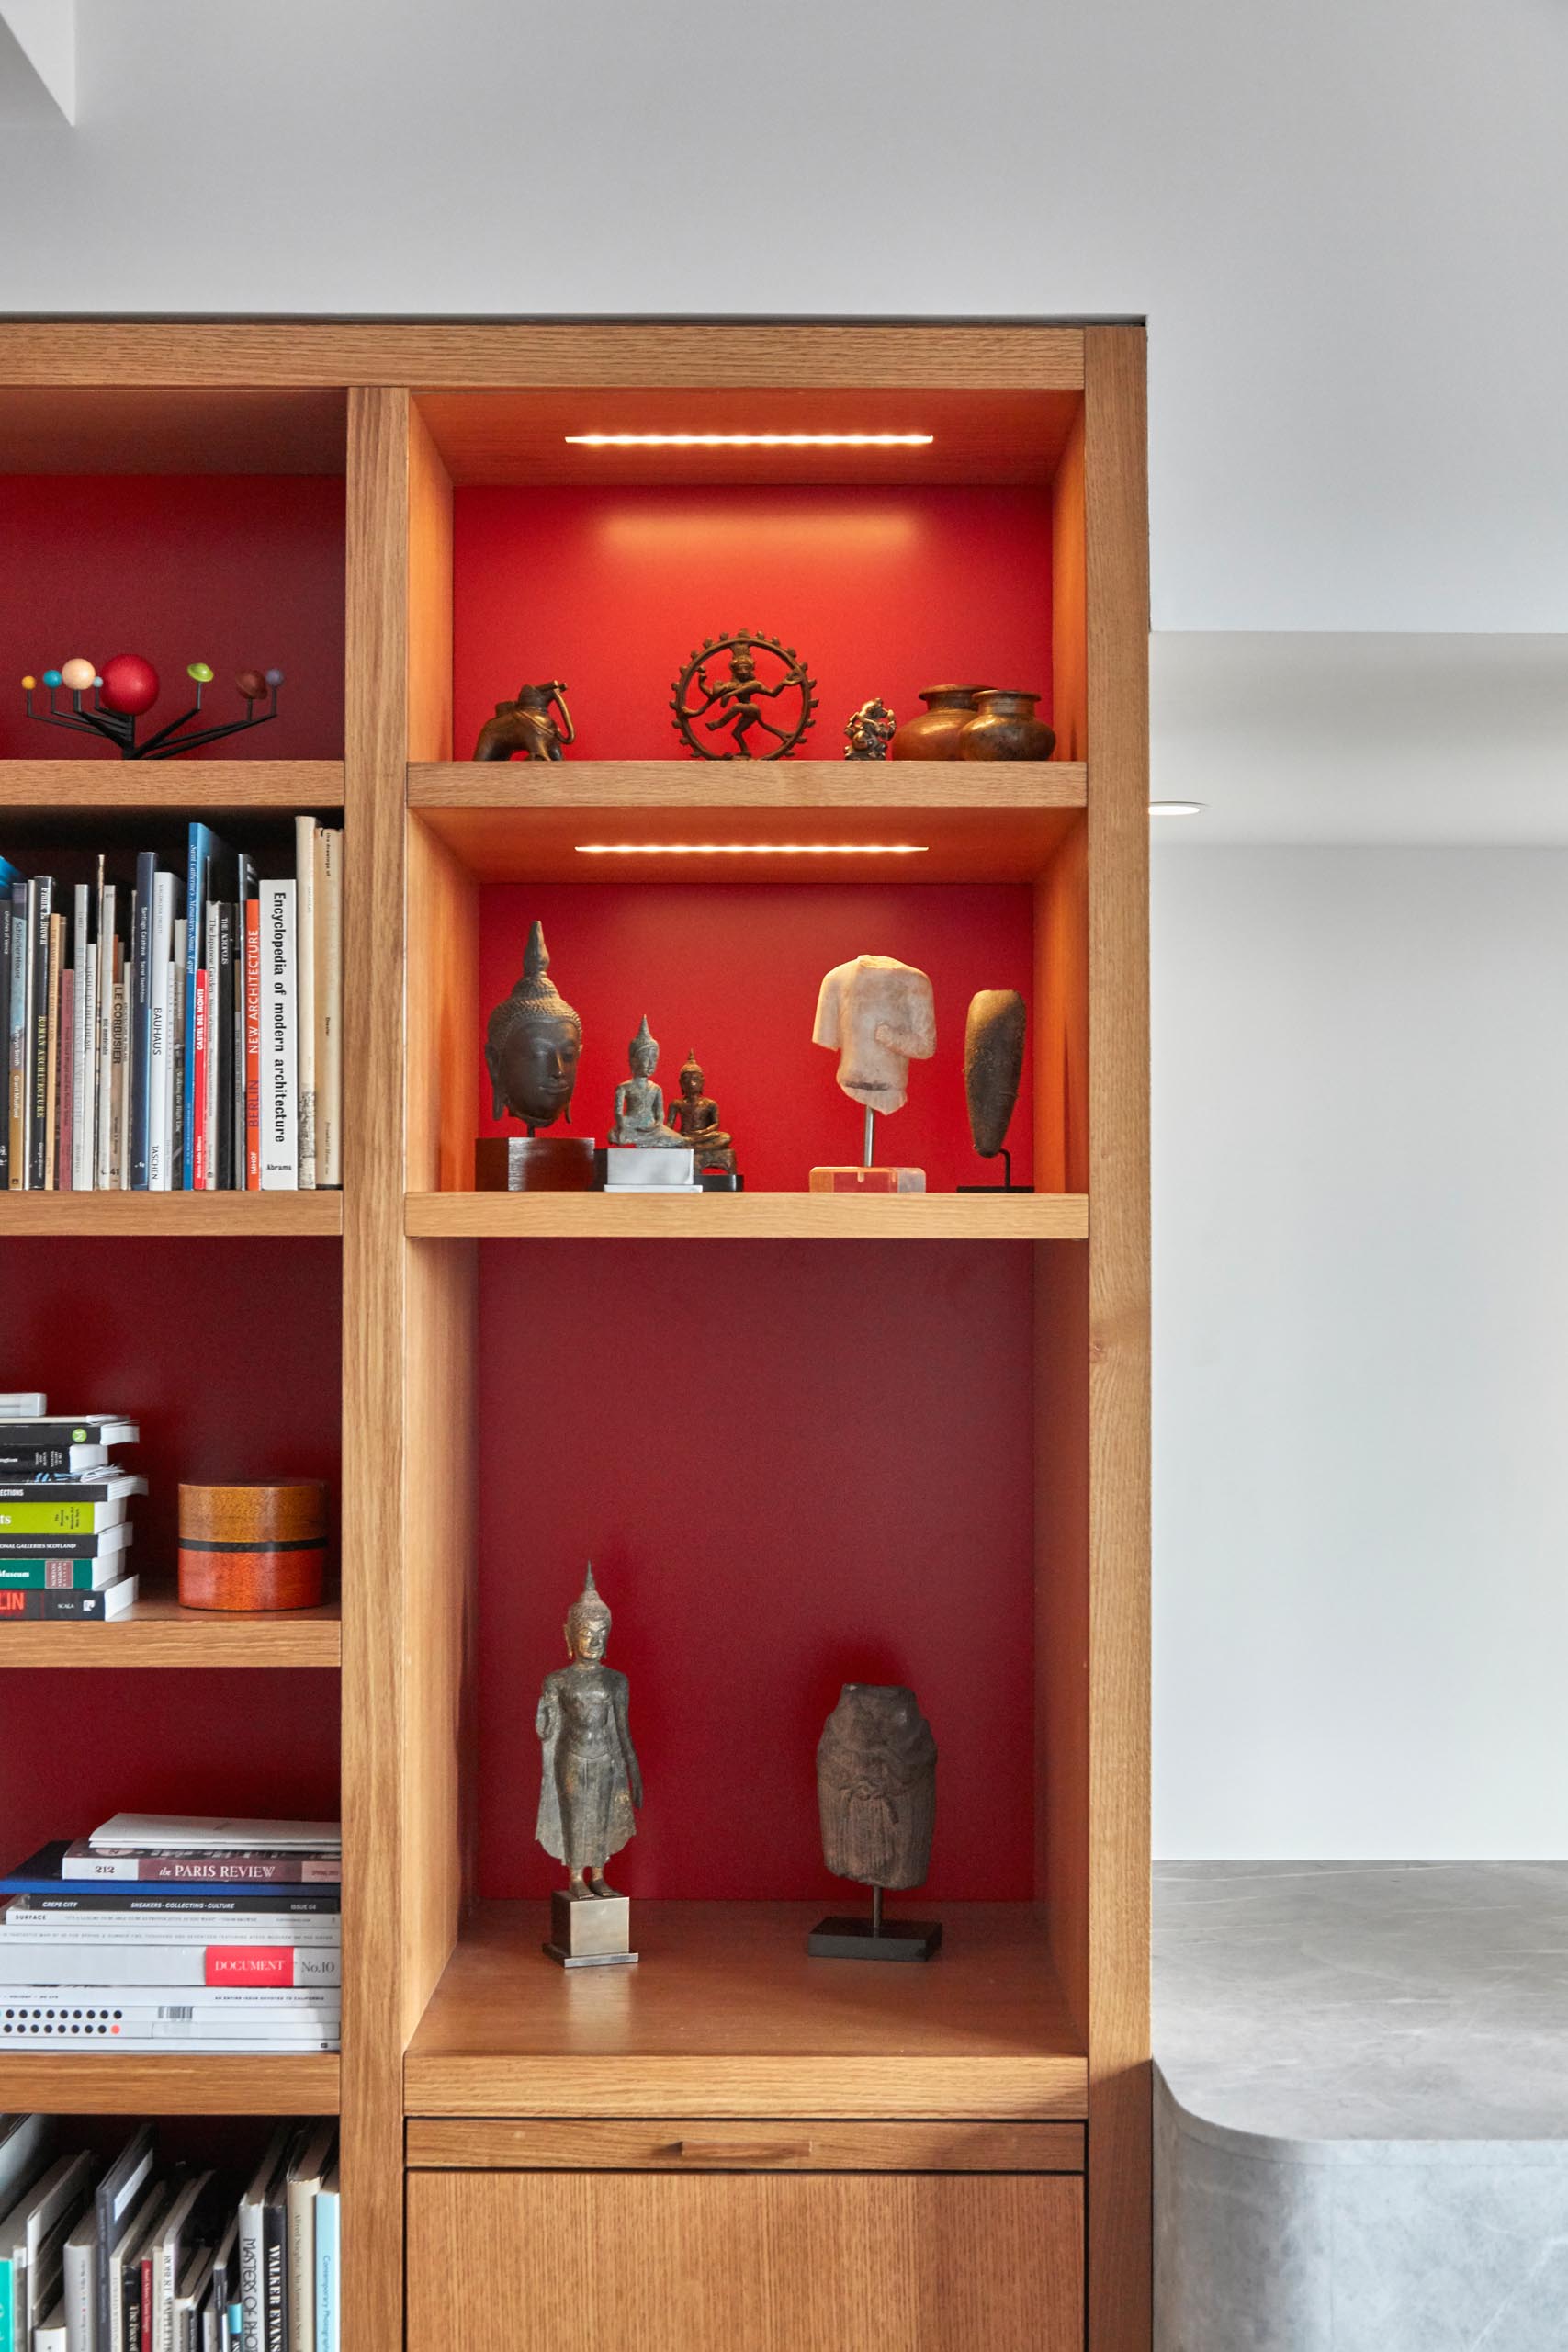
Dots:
pixel 745 2262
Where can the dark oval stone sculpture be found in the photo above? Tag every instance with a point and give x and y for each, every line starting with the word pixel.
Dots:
pixel 993 1065
pixel 877 1786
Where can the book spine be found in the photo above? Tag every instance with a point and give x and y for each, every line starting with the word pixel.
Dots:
pixel 36 1458
pixel 39 907
pixel 305 996
pixel 210 1086
pixel 81 2301
pixel 177 1060
pixel 49 1519
pixel 195 870
pixel 162 951
pixel 280 1967
pixel 221 1047
pixel 236 1111
pixel 280 1165
pixel 210 1902
pixel 17 1041
pixel 275 2299
pixel 119 1077
pixel 51 1575
pixel 67 1606
pixel 87 1116
pixel 251 2289
pixel 57 1059
pixel 204 1869
pixel 6 1030
pixel 139 1008
pixel 81 1001
pixel 198 1086
pixel 7 2304
pixel 328 2326
pixel 66 1092
pixel 104 1172
pixel 252 1044
pixel 329 1005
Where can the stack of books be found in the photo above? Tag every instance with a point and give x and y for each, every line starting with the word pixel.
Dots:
pixel 135 2256
pixel 176 1034
pixel 64 1536
pixel 160 1930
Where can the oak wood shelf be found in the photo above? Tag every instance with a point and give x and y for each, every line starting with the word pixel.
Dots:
pixel 159 1633
pixel 748 783
pixel 746 1217
pixel 67 789
pixel 125 2082
pixel 725 2015
pixel 190 1215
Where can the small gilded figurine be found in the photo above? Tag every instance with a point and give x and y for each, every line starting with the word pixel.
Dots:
pixel 532 1045
pixel 730 706
pixel 528 724
pixel 639 1102
pixel 695 1116
pixel 870 730
pixel 591 1782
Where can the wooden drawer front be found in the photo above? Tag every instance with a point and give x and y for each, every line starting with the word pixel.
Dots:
pixel 529 2143
pixel 648 2262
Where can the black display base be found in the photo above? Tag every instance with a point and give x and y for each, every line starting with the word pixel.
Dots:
pixel 994 1188
pixel 720 1180
pixel 533 1164
pixel 859 1939
pixel 590 1959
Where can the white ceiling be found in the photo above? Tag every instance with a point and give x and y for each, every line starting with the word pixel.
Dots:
pixel 1370 739
pixel 1348 223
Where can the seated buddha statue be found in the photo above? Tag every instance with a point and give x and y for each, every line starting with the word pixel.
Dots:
pixel 639 1102
pixel 695 1116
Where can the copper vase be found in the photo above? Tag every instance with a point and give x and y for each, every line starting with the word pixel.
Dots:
pixel 1005 728
pixel 934 734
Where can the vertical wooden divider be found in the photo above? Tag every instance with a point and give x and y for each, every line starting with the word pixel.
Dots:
pixel 1116 558
pixel 374 1563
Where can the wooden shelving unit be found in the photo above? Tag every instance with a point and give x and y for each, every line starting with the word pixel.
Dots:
pixel 992 2111
pixel 147 1216
pixel 745 1216
pixel 69 789
pixel 124 2082
pixel 725 2016
pixel 159 1633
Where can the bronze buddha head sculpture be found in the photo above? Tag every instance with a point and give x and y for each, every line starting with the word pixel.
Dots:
pixel 532 1045
pixel 588 1624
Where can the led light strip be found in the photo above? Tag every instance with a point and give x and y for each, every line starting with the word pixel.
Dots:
pixel 749 440
pixel 1176 808
pixel 752 849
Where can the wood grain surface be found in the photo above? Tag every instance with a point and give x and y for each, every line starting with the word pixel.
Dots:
pixel 1117 1793
pixel 726 2015
pixel 127 2082
pixel 159 1633
pixel 73 790
pixel 196 1216
pixel 748 1216
pixel 576 2262
pixel 681 2143
pixel 438 354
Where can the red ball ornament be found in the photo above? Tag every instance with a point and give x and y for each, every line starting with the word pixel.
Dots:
pixel 252 684
pixel 130 684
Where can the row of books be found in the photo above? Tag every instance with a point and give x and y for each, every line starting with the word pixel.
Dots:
pixel 182 1034
pixel 135 2256
pixel 208 1935
pixel 64 1535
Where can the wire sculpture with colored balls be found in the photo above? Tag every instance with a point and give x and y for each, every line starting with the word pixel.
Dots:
pixel 125 689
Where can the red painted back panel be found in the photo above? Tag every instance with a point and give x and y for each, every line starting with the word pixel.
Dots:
pixel 881 592
pixel 734 971
pixel 239 571
pixel 793 1466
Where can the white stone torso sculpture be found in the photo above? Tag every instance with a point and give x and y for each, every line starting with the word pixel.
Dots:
pixel 879 1015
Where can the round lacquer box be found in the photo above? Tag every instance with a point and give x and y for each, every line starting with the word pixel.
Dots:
pixel 253 1547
